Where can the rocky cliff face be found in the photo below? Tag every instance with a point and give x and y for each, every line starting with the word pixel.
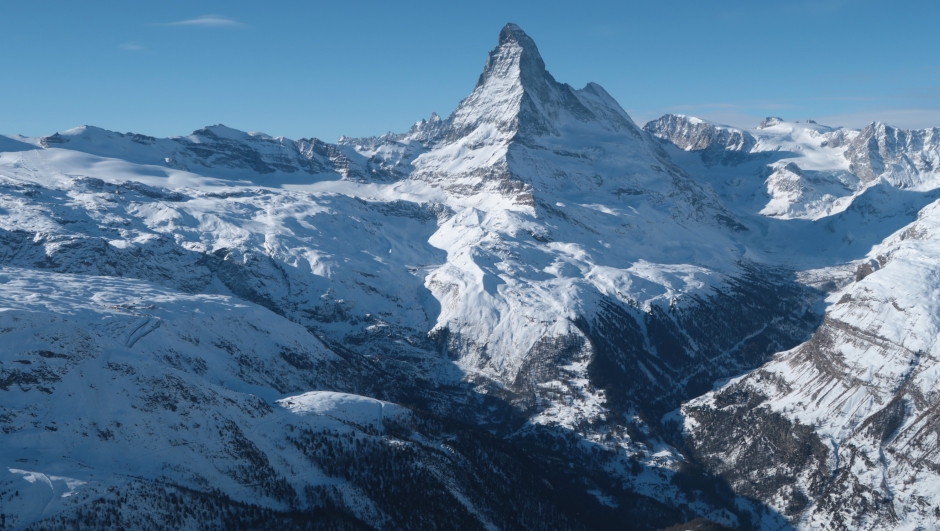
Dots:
pixel 848 420
pixel 717 144
pixel 907 159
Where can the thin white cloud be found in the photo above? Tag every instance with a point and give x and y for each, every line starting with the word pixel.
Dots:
pixel 208 21
pixel 131 47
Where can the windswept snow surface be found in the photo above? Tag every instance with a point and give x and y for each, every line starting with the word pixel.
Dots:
pixel 115 378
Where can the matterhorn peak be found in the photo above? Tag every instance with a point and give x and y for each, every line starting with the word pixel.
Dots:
pixel 515 55
pixel 516 94
pixel 513 33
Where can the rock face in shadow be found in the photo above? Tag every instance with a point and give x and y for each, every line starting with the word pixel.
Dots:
pixel 658 358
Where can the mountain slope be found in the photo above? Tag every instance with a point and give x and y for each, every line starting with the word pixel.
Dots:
pixel 790 170
pixel 416 289
pixel 438 328
pixel 860 397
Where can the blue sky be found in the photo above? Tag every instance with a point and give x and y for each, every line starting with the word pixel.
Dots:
pixel 324 69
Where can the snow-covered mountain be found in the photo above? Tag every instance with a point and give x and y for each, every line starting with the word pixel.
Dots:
pixel 488 321
pixel 853 411
pixel 805 170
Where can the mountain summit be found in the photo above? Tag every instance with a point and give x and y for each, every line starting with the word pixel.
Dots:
pixel 518 112
pixel 517 45
pixel 517 94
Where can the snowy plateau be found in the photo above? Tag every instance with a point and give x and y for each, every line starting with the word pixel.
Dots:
pixel 531 314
